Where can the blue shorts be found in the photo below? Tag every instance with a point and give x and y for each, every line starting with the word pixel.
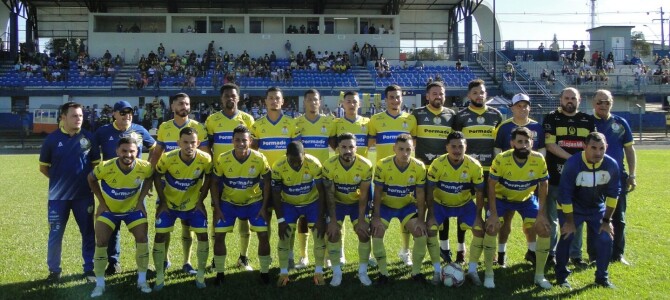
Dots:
pixel 232 212
pixel 527 209
pixel 193 218
pixel 465 214
pixel 131 219
pixel 403 214
pixel 293 212
pixel 351 210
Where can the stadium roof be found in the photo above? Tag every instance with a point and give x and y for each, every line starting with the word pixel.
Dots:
pixel 316 6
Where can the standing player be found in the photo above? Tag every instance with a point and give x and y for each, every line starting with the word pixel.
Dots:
pixel 347 182
pixel 125 181
pixel 434 122
pixel 298 191
pixel 66 158
pixel 353 123
pixel 515 174
pixel 477 122
pixel 220 127
pixel 588 194
pixel 315 130
pixel 565 130
pixel 107 137
pixel 186 181
pixel 241 190
pixel 619 139
pixel 169 134
pixel 451 177
pixel 399 193
pixel 383 130
pixel 520 110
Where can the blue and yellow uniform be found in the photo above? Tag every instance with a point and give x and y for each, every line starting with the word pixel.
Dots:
pixel 385 128
pixel 241 189
pixel 359 128
pixel 399 188
pixel 503 134
pixel 168 134
pixel 274 137
pixel 121 191
pixel 452 189
pixel 220 130
pixel 516 184
pixel 108 136
pixel 315 134
pixel 347 182
pixel 298 188
pixel 70 159
pixel 182 184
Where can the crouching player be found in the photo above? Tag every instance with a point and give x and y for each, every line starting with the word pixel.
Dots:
pixel 346 183
pixel 125 181
pixel 240 189
pixel 182 182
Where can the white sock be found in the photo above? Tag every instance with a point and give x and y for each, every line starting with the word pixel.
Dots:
pixel 444 245
pixel 283 271
pixel 437 267
pixel 461 247
pixel 141 277
pixel 531 246
pixel 318 269
pixel 472 267
pixel 100 281
pixel 363 268
pixel 502 247
pixel 337 269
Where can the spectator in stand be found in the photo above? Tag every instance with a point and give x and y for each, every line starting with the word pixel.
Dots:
pixel 459 65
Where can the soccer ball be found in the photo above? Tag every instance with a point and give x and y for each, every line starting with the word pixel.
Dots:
pixel 452 275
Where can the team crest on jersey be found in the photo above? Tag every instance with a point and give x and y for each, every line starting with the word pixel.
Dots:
pixel 357 178
pixel 437 120
pixel 84 143
pixel 411 179
pixel 572 130
pixel 480 120
pixel 306 176
pixel 616 127
pixel 284 130
pixel 531 174
pixel 323 129
pixel 252 170
pixel 138 180
pixel 197 172
pixel 404 125
pixel 464 175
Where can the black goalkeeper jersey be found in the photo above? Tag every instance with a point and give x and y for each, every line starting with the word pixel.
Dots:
pixel 477 126
pixel 569 133
pixel 431 133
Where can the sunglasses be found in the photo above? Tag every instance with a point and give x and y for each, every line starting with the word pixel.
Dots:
pixel 125 112
pixel 601 102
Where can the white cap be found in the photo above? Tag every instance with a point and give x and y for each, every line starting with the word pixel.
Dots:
pixel 520 97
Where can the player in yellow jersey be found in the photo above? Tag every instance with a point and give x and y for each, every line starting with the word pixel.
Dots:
pixel 346 183
pixel 220 127
pixel 399 193
pixel 315 130
pixel 383 130
pixel 514 176
pixel 241 190
pixel 185 185
pixel 273 132
pixel 297 191
pixel 167 140
pixel 451 178
pixel 352 122
pixel 125 181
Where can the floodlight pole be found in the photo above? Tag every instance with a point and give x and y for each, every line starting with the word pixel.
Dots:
pixel 639 112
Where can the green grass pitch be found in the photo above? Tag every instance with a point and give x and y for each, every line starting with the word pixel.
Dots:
pixel 23 238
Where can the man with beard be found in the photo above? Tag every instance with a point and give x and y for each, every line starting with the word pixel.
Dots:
pixel 515 174
pixel 477 122
pixel 565 130
pixel 434 122
pixel 185 185
pixel 346 183
pixel 125 182
pixel 220 127
pixel 108 137
pixel 168 137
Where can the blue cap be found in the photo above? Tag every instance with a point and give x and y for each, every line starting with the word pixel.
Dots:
pixel 121 105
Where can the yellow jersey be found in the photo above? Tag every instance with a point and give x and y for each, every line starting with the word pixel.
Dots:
pixel 168 134
pixel 359 128
pixel 240 179
pixel 274 137
pixel 516 183
pixel 298 187
pixel 399 186
pixel 454 183
pixel 385 129
pixel 347 181
pixel 220 130
pixel 121 190
pixel 183 180
pixel 315 134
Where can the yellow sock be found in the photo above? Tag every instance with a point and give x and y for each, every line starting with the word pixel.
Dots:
pixel 283 249
pixel 364 249
pixel 142 257
pixel 159 260
pixel 302 243
pixel 100 261
pixel 334 252
pixel 476 249
pixel 265 261
pixel 244 237
pixel 319 250
pixel 489 252
pixel 380 254
pixel 433 249
pixel 418 252
pixel 186 242
pixel 203 255
pixel 541 254
pixel 405 239
pixel 220 262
